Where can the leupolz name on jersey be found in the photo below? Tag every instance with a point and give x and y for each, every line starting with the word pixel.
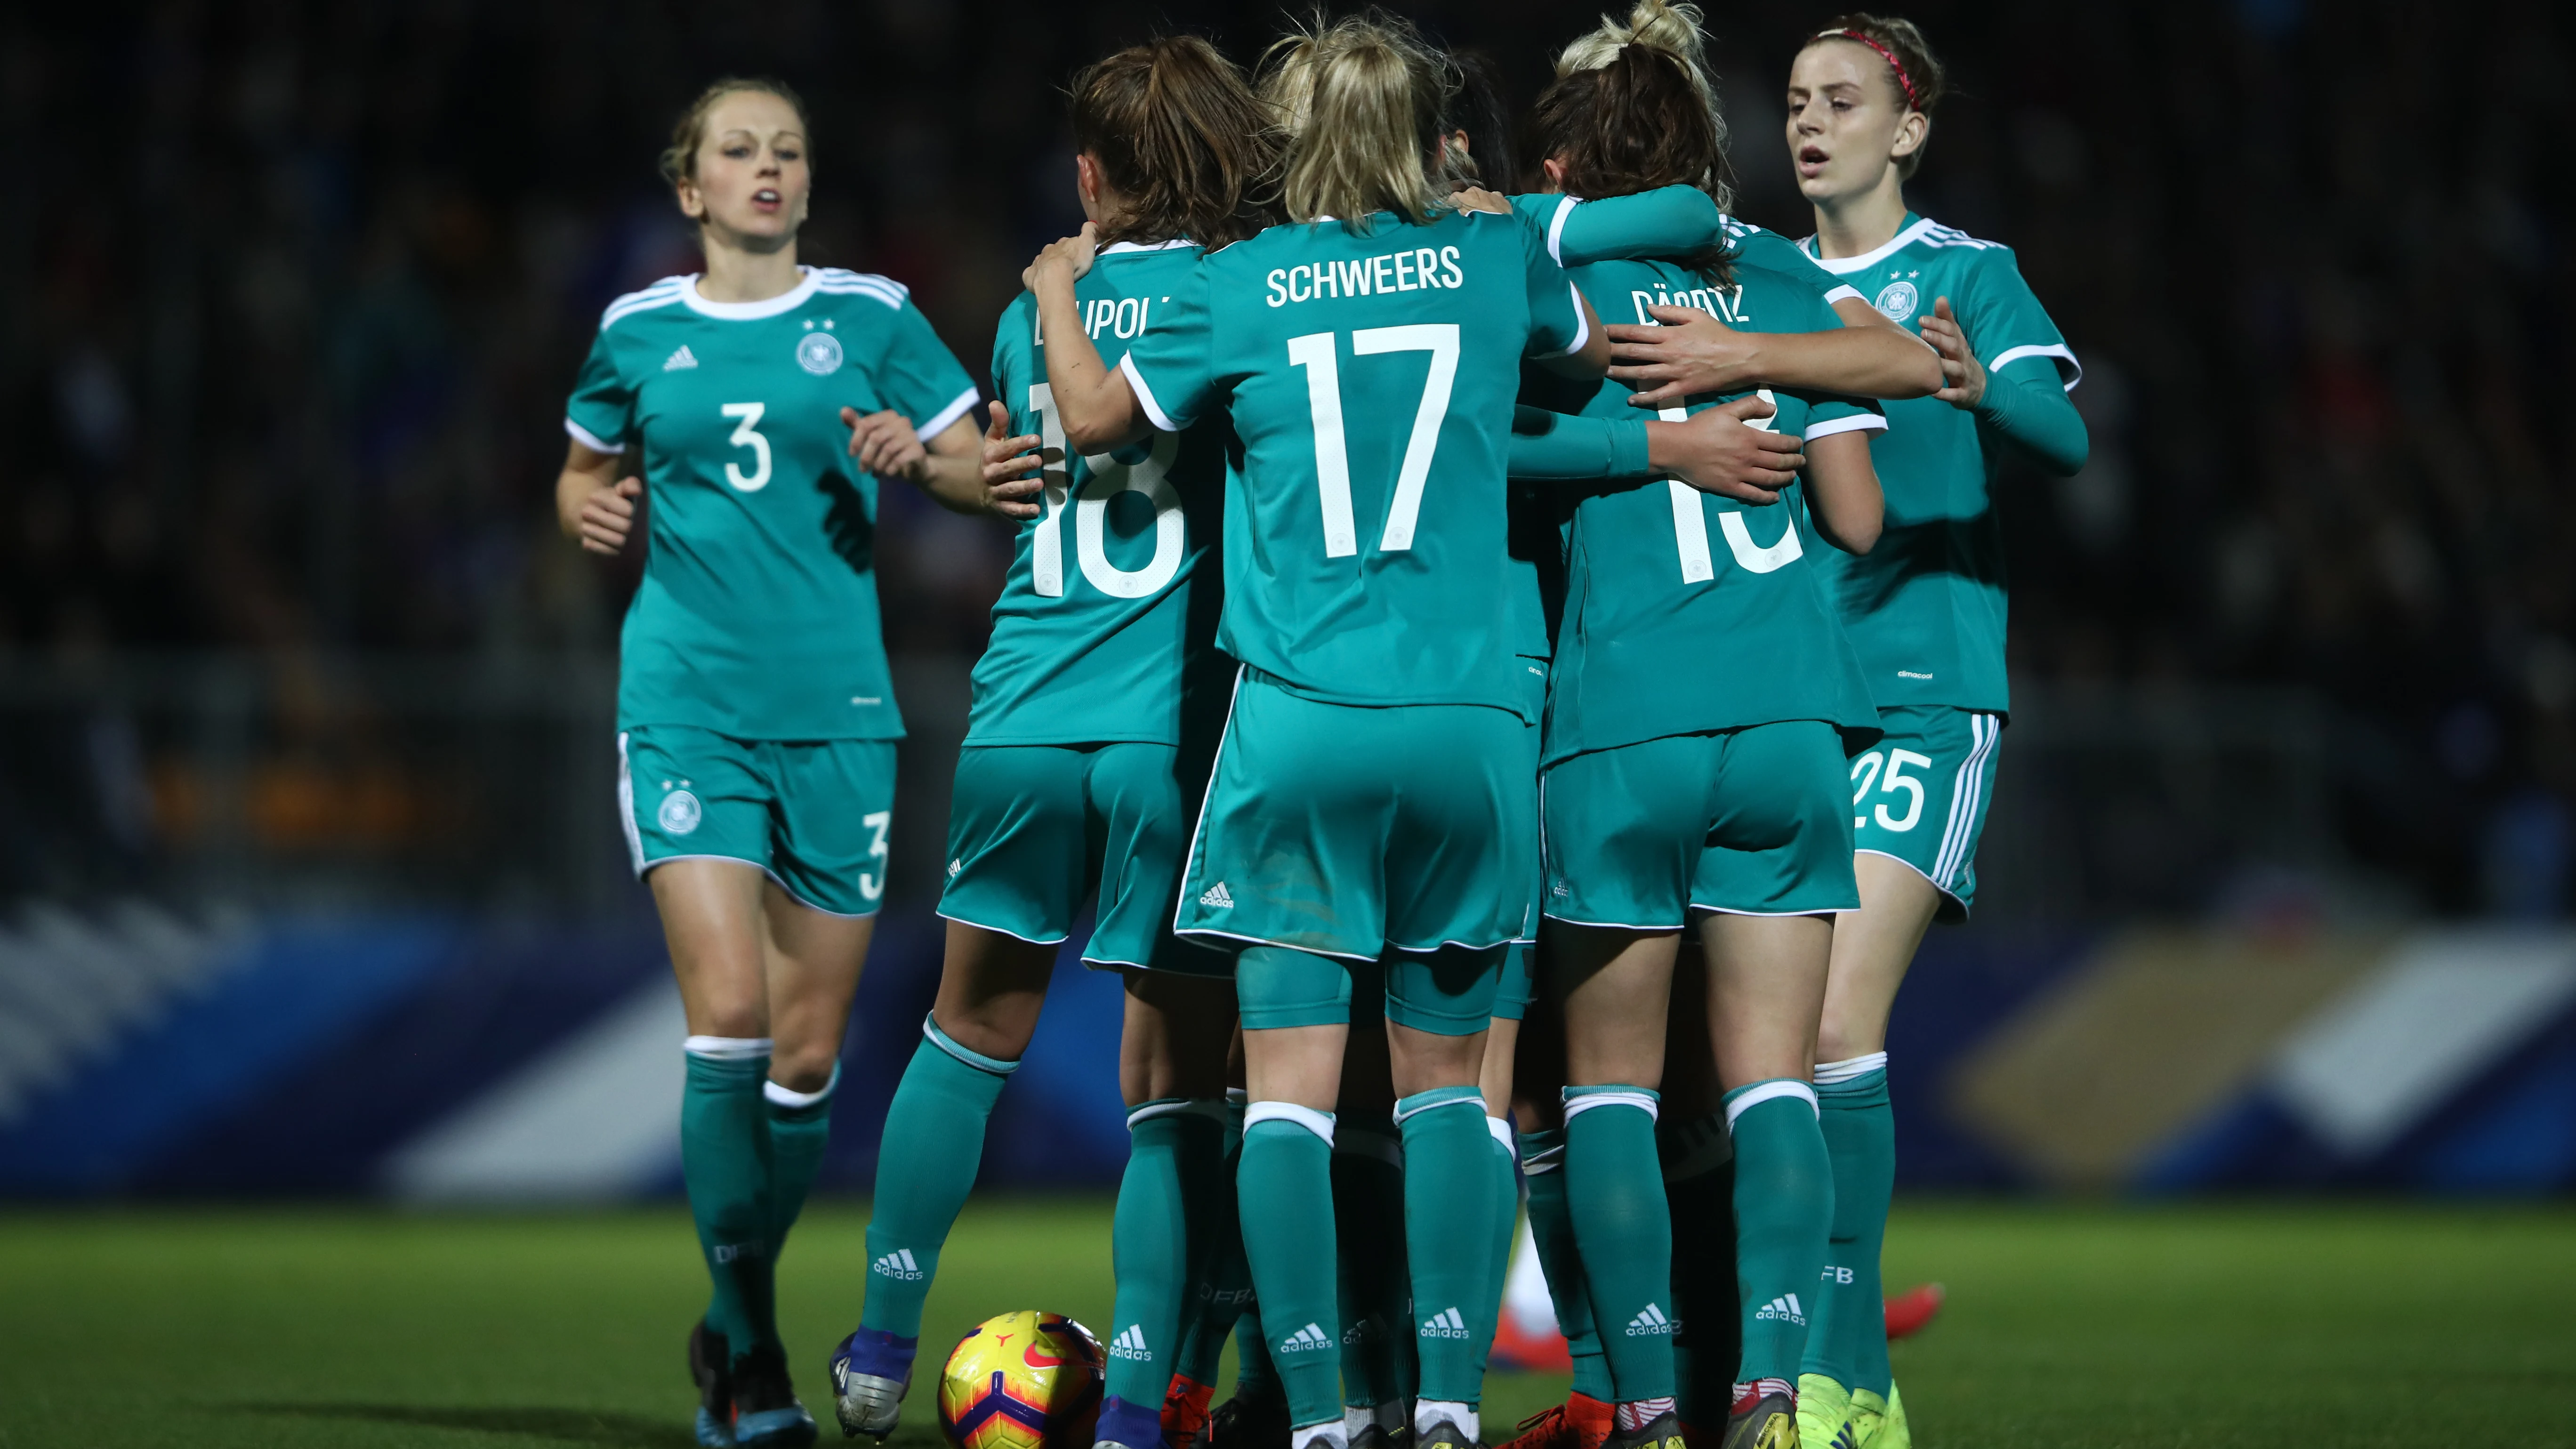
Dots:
pixel 1411 270
pixel 1122 317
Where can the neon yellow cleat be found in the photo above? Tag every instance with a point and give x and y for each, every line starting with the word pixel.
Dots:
pixel 1877 1424
pixel 1824 1413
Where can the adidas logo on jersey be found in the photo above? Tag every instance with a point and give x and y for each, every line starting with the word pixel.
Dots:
pixel 1306 1339
pixel 1783 1309
pixel 1217 897
pixel 1652 1322
pixel 680 359
pixel 1131 1344
pixel 899 1264
pixel 1444 1324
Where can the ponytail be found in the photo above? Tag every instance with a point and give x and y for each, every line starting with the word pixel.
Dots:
pixel 1179 134
pixel 1362 101
pixel 1670 28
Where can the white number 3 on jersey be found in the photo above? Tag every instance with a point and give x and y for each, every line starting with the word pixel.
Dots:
pixel 746 434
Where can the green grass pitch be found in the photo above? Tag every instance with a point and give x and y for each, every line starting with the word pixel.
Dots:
pixel 2341 1325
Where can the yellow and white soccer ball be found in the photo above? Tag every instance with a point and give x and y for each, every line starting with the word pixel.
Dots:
pixel 1025 1380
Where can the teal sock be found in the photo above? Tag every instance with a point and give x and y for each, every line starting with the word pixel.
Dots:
pixel 1699 1181
pixel 1175 1151
pixel 1450 1205
pixel 724 1162
pixel 1848 1341
pixel 1224 1285
pixel 1784 1203
pixel 1552 1229
pixel 1615 1187
pixel 1498 1266
pixel 1368 1248
pixel 1285 1191
pixel 1255 1373
pixel 800 1129
pixel 926 1165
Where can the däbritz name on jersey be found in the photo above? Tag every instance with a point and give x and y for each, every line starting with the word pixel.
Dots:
pixel 1725 303
pixel 1405 271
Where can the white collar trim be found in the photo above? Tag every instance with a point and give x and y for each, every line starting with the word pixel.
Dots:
pixel 1120 249
pixel 1841 266
pixel 787 301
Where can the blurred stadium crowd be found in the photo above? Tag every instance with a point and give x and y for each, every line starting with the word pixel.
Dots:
pixel 293 292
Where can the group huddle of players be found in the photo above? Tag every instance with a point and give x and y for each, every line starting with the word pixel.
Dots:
pixel 1542 687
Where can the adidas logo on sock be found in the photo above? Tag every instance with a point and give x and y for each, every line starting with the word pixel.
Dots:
pixel 1444 1324
pixel 680 359
pixel 1312 1336
pixel 1217 897
pixel 899 1265
pixel 1131 1344
pixel 1649 1323
pixel 1784 1309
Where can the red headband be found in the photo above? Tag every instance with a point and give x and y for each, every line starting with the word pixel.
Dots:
pixel 1885 54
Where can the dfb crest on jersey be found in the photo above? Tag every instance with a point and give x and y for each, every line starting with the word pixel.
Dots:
pixel 680 812
pixel 1897 300
pixel 819 353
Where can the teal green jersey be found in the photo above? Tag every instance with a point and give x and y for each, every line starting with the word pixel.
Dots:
pixel 1686 612
pixel 1370 377
pixel 1670 221
pixel 757 616
pixel 1926 608
pixel 1106 616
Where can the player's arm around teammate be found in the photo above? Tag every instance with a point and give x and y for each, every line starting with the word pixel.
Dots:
pixel 756 717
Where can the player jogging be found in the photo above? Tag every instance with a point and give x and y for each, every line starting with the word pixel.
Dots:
pixel 1095 711
pixel 1370 802
pixel 756 722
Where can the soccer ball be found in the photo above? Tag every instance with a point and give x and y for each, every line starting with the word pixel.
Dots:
pixel 1025 1380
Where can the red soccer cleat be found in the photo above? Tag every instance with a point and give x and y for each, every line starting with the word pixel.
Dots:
pixel 1910 1310
pixel 1185 1411
pixel 1581 1422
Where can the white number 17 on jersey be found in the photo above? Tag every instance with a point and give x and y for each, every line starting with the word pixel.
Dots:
pixel 1316 353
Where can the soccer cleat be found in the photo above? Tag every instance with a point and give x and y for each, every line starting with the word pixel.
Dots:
pixel 1442 1435
pixel 1880 1425
pixel 1378 1436
pixel 1249 1421
pixel 1185 1411
pixel 1765 1417
pixel 766 1414
pixel 1664 1431
pixel 1581 1422
pixel 871 1370
pixel 1825 1414
pixel 710 1367
pixel 1910 1310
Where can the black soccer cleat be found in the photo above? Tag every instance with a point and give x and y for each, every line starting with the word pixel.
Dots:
pixel 1442 1435
pixel 1249 1421
pixel 1768 1420
pixel 710 1369
pixel 766 1414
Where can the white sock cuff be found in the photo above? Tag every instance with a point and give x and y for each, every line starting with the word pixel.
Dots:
pixel 1326 1435
pixel 1356 1417
pixel 726 1048
pixel 1501 1127
pixel 1834 1073
pixel 790 1098
pixel 1208 1107
pixel 1319 1123
pixel 1427 1414
pixel 1643 1101
pixel 1761 1092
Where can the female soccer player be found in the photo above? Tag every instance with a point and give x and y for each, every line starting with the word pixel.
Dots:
pixel 756 722
pixel 1925 610
pixel 1370 802
pixel 1094 716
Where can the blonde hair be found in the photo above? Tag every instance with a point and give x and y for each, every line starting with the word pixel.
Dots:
pixel 680 158
pixel 1669 26
pixel 1361 100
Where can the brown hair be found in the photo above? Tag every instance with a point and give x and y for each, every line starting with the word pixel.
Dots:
pixel 680 158
pixel 1177 130
pixel 1362 101
pixel 1915 76
pixel 1673 27
pixel 1635 120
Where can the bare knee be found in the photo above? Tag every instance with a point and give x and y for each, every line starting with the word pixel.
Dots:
pixel 1423 1061
pixel 803 1067
pixel 741 1015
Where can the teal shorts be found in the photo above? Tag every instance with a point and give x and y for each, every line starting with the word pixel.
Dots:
pixel 1351 831
pixel 1512 995
pixel 1449 992
pixel 1920 795
pixel 812 813
pixel 1743 822
pixel 1035 832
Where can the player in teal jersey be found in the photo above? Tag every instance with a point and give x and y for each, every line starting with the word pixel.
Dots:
pixel 758 403
pixel 1368 805
pixel 1085 757
pixel 1926 612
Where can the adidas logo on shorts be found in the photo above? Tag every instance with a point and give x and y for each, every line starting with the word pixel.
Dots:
pixel 1131 1344
pixel 955 868
pixel 1784 1309
pixel 899 1264
pixel 1444 1324
pixel 1310 1337
pixel 1217 897
pixel 1649 1323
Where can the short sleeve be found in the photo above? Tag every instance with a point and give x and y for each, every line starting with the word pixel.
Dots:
pixel 919 377
pixel 1557 326
pixel 1770 249
pixel 1670 221
pixel 2005 323
pixel 602 401
pixel 1831 413
pixel 1172 366
pixel 1015 355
